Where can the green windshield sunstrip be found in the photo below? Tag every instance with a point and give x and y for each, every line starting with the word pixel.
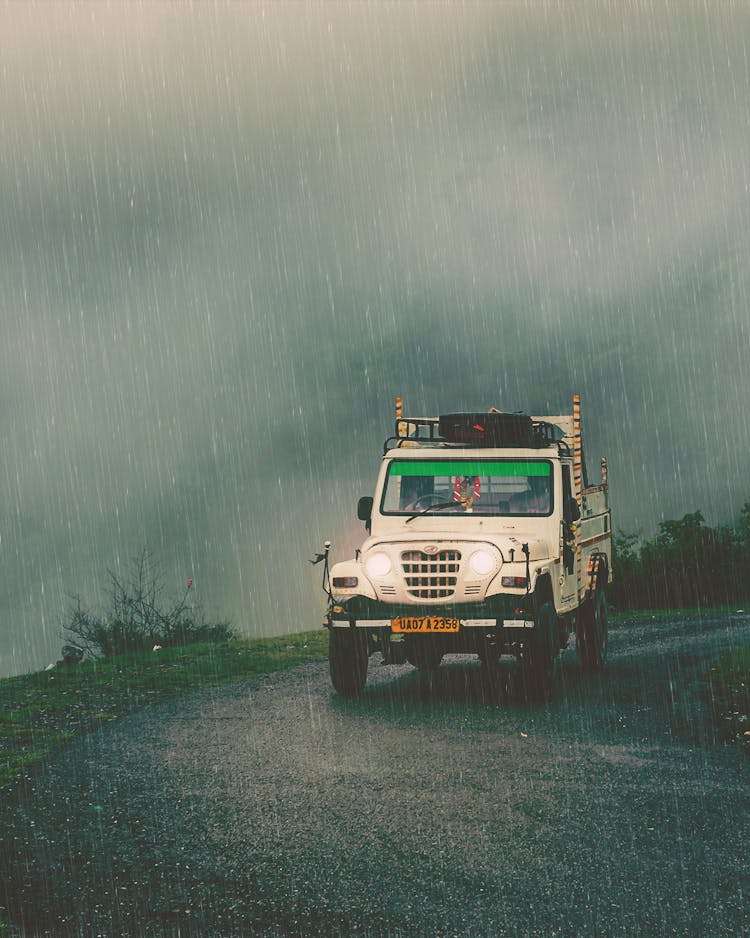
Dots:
pixel 489 467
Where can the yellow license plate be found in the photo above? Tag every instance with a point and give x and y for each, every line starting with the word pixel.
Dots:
pixel 425 624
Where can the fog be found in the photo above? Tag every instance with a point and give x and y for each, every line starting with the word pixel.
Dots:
pixel 232 233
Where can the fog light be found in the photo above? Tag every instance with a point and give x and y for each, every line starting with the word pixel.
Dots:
pixel 345 582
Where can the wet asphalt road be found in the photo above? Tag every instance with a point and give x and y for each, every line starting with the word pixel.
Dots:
pixel 271 807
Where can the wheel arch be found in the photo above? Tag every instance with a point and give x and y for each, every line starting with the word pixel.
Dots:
pixel 597 573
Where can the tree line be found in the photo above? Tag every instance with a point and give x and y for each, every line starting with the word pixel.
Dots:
pixel 687 564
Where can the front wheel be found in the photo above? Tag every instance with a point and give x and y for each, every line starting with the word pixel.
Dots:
pixel 493 677
pixel 539 656
pixel 347 660
pixel 591 633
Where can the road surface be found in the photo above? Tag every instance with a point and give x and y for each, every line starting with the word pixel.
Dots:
pixel 272 807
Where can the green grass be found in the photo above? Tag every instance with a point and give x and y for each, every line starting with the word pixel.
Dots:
pixel 728 685
pixel 40 712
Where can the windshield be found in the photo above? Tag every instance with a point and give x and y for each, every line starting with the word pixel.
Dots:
pixel 516 488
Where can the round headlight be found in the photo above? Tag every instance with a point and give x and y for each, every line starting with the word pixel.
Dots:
pixel 482 562
pixel 378 564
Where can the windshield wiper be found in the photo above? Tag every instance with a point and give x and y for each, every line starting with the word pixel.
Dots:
pixel 437 507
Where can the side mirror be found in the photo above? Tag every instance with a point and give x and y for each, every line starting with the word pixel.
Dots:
pixel 571 511
pixel 364 508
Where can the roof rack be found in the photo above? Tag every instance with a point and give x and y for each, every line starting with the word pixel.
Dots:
pixel 425 431
pixel 420 430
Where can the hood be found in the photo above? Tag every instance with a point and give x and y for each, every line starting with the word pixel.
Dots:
pixel 510 546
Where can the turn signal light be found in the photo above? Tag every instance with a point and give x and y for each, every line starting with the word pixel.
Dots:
pixel 345 582
pixel 517 582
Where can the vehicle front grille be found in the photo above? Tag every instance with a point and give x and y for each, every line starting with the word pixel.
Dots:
pixel 430 576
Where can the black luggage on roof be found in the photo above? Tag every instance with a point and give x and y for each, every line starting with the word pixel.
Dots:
pixel 489 429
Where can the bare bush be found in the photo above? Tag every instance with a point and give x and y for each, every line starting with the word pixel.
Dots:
pixel 138 617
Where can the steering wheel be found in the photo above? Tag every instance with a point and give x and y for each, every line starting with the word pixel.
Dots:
pixel 424 501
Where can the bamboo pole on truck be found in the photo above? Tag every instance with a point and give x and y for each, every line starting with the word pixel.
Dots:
pixel 400 427
pixel 578 488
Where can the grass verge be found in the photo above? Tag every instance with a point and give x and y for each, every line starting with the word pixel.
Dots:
pixel 39 712
pixel 728 686
pixel 630 616
pixel 727 682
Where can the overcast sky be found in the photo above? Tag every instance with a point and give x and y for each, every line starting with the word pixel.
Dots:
pixel 232 233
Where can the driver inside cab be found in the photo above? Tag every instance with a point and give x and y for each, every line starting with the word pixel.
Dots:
pixel 534 500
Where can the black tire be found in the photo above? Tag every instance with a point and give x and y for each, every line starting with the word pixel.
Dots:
pixel 493 679
pixel 591 631
pixel 424 655
pixel 540 655
pixel 347 661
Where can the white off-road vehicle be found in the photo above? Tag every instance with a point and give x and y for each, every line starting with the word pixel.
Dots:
pixel 484 538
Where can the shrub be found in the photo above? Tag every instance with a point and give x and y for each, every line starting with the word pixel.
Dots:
pixel 138 617
pixel 686 564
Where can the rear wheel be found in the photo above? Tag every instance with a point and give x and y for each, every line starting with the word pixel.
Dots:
pixel 539 656
pixel 347 660
pixel 591 633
